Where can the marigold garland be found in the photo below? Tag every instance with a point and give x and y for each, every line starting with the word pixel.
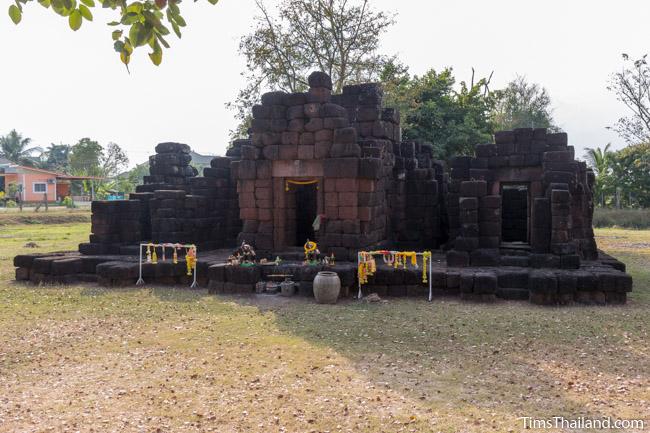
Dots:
pixel 402 259
pixel 310 246
pixel 190 260
pixel 426 256
pixel 299 182
pixel 367 265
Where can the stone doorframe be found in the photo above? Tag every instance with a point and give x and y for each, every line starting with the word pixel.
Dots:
pixel 531 176
pixel 282 206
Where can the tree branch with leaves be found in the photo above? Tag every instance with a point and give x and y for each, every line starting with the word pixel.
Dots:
pixel 139 23
pixel 632 87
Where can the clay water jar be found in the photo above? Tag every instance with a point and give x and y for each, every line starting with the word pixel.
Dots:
pixel 327 287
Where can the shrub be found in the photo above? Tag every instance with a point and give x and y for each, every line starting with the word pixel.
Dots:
pixel 625 218
pixel 10 204
pixel 68 202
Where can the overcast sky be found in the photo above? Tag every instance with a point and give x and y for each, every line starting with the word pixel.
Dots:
pixel 59 85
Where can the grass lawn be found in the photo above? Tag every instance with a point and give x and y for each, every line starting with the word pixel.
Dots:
pixel 55 215
pixel 157 359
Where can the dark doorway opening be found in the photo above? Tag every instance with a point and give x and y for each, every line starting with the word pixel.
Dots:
pixel 514 213
pixel 306 211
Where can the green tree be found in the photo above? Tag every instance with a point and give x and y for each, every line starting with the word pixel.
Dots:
pixel 631 172
pixel 136 175
pixel 398 91
pixel 57 157
pixel 452 118
pixel 85 158
pixel 89 158
pixel 15 148
pixel 522 105
pixel 127 181
pixel 601 160
pixel 113 160
pixel 138 23
pixel 339 37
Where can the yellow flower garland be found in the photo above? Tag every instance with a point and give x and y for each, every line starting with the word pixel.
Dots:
pixel 190 260
pixel 425 257
pixel 310 246
pixel 299 182
pixel 401 259
pixel 367 265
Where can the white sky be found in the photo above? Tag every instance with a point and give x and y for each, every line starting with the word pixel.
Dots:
pixel 59 85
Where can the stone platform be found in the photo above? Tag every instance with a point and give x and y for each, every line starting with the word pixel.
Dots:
pixel 602 281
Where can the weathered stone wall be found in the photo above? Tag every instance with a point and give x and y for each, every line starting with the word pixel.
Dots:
pixel 173 205
pixel 202 211
pixel 418 183
pixel 114 225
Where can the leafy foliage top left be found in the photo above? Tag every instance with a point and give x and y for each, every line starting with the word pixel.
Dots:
pixel 139 23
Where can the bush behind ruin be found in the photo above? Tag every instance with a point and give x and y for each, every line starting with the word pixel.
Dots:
pixel 625 218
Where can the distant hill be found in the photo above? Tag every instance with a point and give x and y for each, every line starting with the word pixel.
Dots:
pixel 139 171
pixel 199 160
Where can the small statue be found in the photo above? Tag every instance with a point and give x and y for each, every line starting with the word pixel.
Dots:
pixel 245 254
pixel 312 254
pixel 329 261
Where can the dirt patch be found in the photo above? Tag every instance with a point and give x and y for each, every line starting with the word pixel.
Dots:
pixel 636 245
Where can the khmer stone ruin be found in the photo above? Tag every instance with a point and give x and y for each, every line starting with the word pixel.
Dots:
pixel 513 221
